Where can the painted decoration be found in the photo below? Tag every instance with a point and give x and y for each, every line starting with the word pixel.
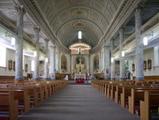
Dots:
pixel 10 62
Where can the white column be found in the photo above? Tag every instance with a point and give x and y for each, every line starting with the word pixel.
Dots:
pixel 46 60
pixel 52 62
pixel 19 44
pixel 36 59
pixel 107 62
pixel 57 59
pixel 89 62
pixel 122 65
pixel 59 63
pixel 156 56
pixel 112 63
pixel 139 47
pixel 113 70
pixel 100 61
pixel 70 62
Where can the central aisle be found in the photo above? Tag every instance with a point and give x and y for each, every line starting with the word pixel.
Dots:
pixel 78 102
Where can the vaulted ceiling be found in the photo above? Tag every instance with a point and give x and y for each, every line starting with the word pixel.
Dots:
pixel 66 17
pixel 60 20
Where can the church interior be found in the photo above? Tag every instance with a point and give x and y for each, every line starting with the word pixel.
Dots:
pixel 79 59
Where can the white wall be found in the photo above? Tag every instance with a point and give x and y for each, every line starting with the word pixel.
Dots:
pixel 148 54
pixel 10 55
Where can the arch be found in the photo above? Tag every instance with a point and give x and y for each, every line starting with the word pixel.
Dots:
pixel 96 63
pixel 63 63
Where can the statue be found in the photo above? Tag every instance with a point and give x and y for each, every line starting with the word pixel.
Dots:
pixel 80 67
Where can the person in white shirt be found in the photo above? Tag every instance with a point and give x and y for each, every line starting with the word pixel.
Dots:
pixel 66 77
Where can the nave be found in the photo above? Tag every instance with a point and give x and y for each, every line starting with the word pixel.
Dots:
pixel 111 44
pixel 78 102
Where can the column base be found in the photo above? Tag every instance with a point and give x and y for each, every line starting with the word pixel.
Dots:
pixel 112 78
pixel 46 78
pixel 19 78
pixel 107 78
pixel 36 78
pixel 139 78
pixel 50 79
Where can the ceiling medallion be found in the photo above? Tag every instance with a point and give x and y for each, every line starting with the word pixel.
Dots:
pixel 78 25
pixel 78 12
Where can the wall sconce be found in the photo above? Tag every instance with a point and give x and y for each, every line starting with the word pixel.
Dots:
pixel 12 41
pixel 35 53
pixel 112 60
pixel 123 53
pixel 46 60
pixel 145 41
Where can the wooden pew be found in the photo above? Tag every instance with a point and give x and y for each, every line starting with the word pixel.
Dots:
pixel 113 90
pixel 150 104
pixel 23 92
pixel 109 90
pixel 27 94
pixel 118 93
pixel 8 105
pixel 126 92
pixel 137 94
pixel 130 93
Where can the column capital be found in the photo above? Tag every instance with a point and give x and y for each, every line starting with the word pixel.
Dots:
pixel 52 46
pixel 36 29
pixel 138 13
pixel 121 30
pixel 107 46
pixel 140 6
pixel 47 40
pixel 20 9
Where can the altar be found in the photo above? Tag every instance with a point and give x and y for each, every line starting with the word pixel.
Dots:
pixel 80 78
